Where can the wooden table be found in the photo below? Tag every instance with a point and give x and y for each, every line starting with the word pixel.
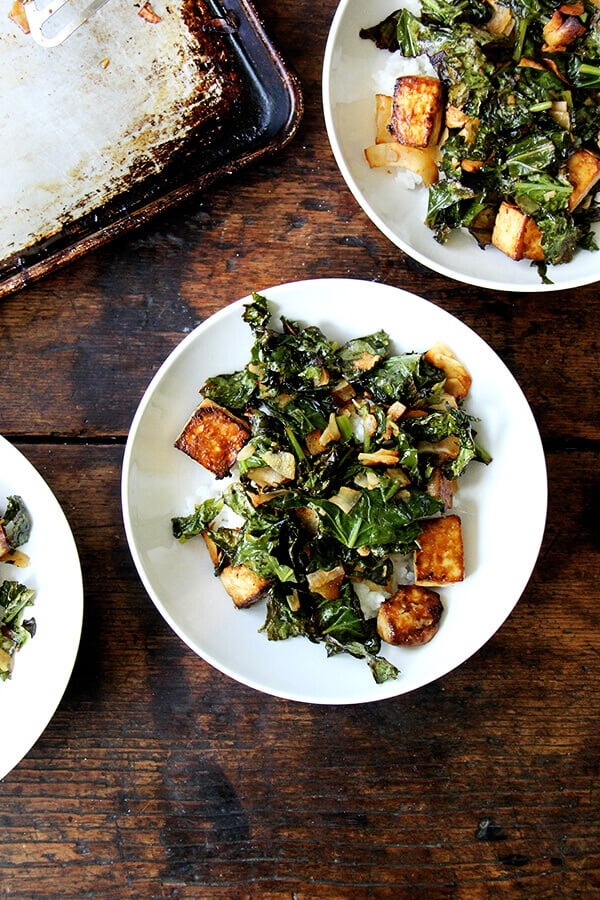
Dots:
pixel 160 777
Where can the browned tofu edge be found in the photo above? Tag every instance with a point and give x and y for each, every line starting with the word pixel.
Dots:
pixel 410 617
pixel 243 585
pixel 417 110
pixel 213 437
pixel 439 559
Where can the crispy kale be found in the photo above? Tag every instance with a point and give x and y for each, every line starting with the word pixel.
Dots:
pixel 15 630
pixel 16 522
pixel 333 479
pixel 528 106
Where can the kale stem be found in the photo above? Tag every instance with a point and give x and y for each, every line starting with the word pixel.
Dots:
pixel 343 423
pixel 354 533
pixel 521 33
pixel 594 71
pixel 295 443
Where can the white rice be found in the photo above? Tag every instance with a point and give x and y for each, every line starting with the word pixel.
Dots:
pixel 371 600
pixel 383 79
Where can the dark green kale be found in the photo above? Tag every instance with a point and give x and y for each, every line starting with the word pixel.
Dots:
pixel 14 629
pixel 383 523
pixel 186 527
pixel 528 110
pixel 408 378
pixel 331 482
pixel 16 522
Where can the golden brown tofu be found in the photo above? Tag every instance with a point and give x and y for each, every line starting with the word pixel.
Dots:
pixel 417 110
pixel 583 169
pixel 243 585
pixel 517 234
pixel 213 437
pixel 440 558
pixel 409 617
pixel 532 241
pixel 509 230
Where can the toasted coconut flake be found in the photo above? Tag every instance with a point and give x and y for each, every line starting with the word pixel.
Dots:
pixel 380 457
pixel 326 583
pixel 265 476
pixel 331 432
pixel 283 462
pixel 343 391
pixel 346 498
pixel 313 442
pixel 449 448
pixel 367 479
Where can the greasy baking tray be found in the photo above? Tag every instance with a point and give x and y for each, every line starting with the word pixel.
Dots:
pixel 130 116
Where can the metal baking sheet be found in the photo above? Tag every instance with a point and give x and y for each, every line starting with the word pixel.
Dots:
pixel 126 118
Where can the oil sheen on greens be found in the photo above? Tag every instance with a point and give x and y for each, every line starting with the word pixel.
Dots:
pixel 524 148
pixel 15 630
pixel 289 389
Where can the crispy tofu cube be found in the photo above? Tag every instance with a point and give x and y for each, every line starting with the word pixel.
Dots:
pixel 532 241
pixel 517 234
pixel 410 617
pixel 583 169
pixel 213 437
pixel 417 110
pixel 509 230
pixel 440 557
pixel 243 585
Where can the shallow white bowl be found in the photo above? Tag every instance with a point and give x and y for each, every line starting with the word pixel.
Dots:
pixel 43 666
pixel 351 77
pixel 503 505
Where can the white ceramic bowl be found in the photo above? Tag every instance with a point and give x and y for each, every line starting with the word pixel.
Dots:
pixel 351 77
pixel 43 666
pixel 503 505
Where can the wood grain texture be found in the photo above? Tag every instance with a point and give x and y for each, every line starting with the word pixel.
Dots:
pixel 159 777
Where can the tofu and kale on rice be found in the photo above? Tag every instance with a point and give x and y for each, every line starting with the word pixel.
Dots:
pixel 345 460
pixel 499 118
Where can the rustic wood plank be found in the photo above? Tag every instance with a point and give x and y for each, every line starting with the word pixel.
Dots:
pixel 161 777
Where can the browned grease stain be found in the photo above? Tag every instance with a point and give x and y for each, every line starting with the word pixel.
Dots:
pixel 146 154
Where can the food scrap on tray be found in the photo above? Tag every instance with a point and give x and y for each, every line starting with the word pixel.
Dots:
pixel 343 463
